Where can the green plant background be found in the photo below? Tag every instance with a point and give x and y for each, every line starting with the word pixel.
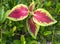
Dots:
pixel 16 33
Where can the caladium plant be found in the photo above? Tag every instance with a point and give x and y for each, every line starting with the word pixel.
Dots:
pixel 41 17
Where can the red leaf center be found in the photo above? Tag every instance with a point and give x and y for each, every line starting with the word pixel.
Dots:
pixel 32 26
pixel 42 17
pixel 19 12
pixel 31 7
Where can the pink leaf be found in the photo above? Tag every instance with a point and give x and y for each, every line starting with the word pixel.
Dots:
pixel 19 12
pixel 31 7
pixel 43 17
pixel 32 27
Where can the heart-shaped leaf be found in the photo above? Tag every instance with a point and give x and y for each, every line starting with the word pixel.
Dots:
pixel 1 13
pixel 22 39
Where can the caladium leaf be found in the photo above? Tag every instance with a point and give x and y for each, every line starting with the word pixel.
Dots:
pixel 31 7
pixel 32 27
pixel 43 17
pixel 19 12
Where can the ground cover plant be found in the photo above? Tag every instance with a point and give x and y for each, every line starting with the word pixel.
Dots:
pixel 29 21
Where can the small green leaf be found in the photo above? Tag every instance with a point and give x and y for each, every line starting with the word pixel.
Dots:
pixel 1 13
pixel 5 15
pixel 13 30
pixel 33 42
pixel 48 4
pixel 57 7
pixel 21 25
pixel 47 33
pixel 23 39
pixel 16 41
